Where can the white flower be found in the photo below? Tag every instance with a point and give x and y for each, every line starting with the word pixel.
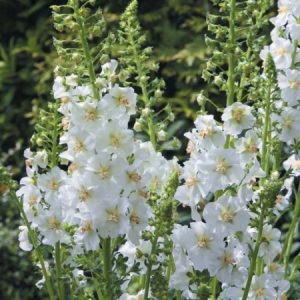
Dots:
pixel 111 219
pixel 230 266
pixel 51 182
pixel 293 28
pixel 88 115
pixel 25 244
pixel 237 117
pixel 49 223
pixel 79 142
pixel 281 51
pixel 283 287
pixel 219 169
pixel 86 234
pixel 59 89
pixel 204 246
pixel 290 86
pixel 262 288
pixel 139 212
pixel 231 293
pixel 289 121
pixel 206 134
pixel 248 145
pixel 179 279
pixel 293 163
pixel 285 9
pixel 115 138
pixel 107 168
pixel 226 215
pixel 120 101
pixel 192 190
pixel 270 247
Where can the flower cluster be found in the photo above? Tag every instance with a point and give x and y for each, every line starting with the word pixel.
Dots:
pixel 102 186
pixel 232 238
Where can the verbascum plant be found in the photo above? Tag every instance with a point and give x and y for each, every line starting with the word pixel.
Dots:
pixel 98 202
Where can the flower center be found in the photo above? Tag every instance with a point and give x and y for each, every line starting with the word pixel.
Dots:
pixel 203 241
pixel 283 9
pixel 190 147
pixel 191 181
pixel 273 267
pixel 91 114
pixel 278 199
pixel 115 140
pixel 64 100
pixel 260 292
pixel 86 227
pixel 122 100
pixel 227 216
pixel 53 185
pixel 294 84
pixel 281 51
pixel 53 223
pixel 228 259
pixel 296 165
pixel 238 114
pixel 134 176
pixel 84 194
pixel 79 146
pixel 33 200
pixel 113 215
pixel 104 172
pixel 251 147
pixel 206 132
pixel 222 166
pixel 288 122
pixel 134 218
pixel 284 297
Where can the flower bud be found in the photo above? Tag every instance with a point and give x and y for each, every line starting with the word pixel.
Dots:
pixel 161 135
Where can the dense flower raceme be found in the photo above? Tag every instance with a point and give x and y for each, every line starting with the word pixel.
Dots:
pixel 221 236
pixel 103 184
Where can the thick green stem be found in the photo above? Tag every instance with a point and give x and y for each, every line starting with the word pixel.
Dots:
pixel 254 255
pixel 214 287
pixel 86 50
pixel 266 131
pixel 58 265
pixel 107 268
pixel 34 240
pixel 294 54
pixel 231 56
pixel 149 267
pixel 290 237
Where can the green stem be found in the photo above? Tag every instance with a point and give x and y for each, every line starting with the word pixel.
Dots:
pixel 294 54
pixel 58 265
pixel 178 295
pixel 107 267
pixel 86 50
pixel 264 156
pixel 214 286
pixel 149 267
pixel 290 237
pixel 254 255
pixel 34 241
pixel 231 56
